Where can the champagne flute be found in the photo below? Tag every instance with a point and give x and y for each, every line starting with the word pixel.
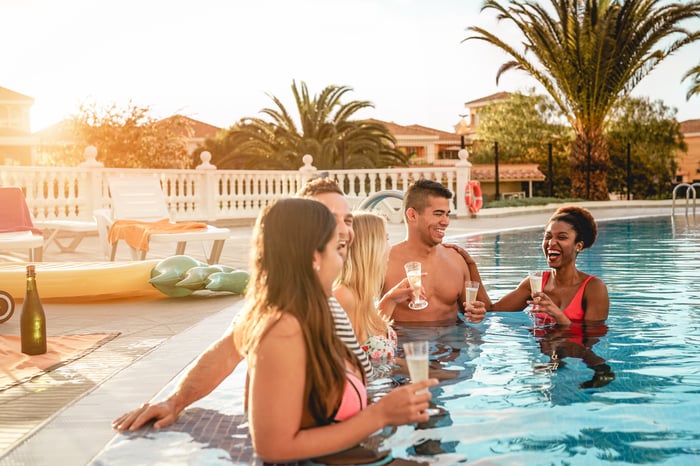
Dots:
pixel 413 273
pixel 472 288
pixel 416 353
pixel 418 362
pixel 535 285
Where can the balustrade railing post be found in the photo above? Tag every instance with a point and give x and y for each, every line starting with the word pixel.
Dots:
pixel 207 187
pixel 307 171
pixel 463 168
pixel 92 197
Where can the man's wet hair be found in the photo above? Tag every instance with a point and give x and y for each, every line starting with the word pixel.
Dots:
pixel 320 185
pixel 417 194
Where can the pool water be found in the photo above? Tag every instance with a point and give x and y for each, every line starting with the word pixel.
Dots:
pixel 625 393
pixel 511 394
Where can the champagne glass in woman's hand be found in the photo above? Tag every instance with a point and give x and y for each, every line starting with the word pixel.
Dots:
pixel 416 353
pixel 535 285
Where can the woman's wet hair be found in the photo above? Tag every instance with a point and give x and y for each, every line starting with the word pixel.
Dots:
pixel 580 220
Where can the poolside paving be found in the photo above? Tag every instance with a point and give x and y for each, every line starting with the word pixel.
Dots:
pixel 63 417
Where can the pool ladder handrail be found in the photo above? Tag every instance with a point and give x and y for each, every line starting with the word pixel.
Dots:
pixel 690 189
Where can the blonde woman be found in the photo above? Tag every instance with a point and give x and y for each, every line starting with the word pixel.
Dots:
pixel 306 391
pixel 360 285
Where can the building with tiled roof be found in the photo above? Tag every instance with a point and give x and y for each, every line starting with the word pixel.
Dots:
pixel 507 172
pixel 195 131
pixel 432 147
pixel 15 129
pixel 689 162
pixel 424 146
pixel 470 121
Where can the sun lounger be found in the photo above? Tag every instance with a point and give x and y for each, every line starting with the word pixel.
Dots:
pixel 140 217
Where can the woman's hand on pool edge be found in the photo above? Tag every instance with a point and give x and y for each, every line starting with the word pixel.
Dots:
pixel 164 413
pixel 406 404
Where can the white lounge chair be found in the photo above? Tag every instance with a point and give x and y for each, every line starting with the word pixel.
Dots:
pixel 17 232
pixel 141 199
pixel 65 234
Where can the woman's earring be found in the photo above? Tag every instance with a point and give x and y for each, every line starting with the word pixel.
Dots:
pixel 317 268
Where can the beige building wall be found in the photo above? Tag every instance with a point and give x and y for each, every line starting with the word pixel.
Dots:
pixel 689 162
pixel 16 140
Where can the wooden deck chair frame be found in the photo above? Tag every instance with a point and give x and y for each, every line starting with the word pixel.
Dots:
pixel 141 198
pixel 30 241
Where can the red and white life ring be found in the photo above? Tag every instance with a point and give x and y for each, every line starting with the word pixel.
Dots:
pixel 473 196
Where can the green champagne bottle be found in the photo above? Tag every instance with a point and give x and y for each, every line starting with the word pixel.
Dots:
pixel 33 320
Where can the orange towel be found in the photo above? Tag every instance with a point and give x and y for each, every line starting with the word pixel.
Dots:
pixel 137 233
pixel 16 367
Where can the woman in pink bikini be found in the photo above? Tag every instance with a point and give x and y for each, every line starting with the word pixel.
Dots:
pixel 567 295
pixel 306 392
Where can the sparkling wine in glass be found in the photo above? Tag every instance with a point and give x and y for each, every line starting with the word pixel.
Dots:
pixel 413 273
pixel 416 353
pixel 471 288
pixel 535 284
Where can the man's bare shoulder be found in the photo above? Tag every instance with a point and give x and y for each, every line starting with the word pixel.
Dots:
pixel 399 250
pixel 401 245
pixel 453 253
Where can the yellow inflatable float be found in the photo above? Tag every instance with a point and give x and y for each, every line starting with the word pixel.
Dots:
pixel 175 276
pixel 82 281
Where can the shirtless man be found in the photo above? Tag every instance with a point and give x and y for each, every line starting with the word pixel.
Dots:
pixel 221 358
pixel 445 268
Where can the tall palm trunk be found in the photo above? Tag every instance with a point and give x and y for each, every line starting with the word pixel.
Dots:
pixel 589 161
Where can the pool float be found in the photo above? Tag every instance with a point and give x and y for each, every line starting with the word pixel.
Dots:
pixel 7 306
pixel 182 275
pixel 175 276
pixel 81 281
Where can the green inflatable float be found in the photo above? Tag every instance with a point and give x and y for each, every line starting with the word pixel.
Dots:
pixel 178 276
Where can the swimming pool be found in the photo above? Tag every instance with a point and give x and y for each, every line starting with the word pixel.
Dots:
pixel 512 394
pixel 520 395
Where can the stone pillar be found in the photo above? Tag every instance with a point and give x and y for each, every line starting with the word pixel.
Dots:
pixel 91 191
pixel 463 169
pixel 206 183
pixel 307 171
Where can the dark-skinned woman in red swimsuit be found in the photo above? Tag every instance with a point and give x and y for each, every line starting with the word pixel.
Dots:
pixel 568 294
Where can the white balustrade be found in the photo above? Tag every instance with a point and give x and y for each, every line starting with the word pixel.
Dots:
pixel 207 193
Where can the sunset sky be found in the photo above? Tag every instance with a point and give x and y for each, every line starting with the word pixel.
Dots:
pixel 217 60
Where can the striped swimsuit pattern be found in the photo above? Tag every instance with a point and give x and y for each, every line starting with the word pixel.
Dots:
pixel 344 330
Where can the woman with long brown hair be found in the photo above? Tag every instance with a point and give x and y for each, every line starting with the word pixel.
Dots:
pixel 303 379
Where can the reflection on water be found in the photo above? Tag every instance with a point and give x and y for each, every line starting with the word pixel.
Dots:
pixel 575 341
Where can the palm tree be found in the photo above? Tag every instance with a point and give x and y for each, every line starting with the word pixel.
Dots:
pixel 324 128
pixel 589 53
pixel 694 75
